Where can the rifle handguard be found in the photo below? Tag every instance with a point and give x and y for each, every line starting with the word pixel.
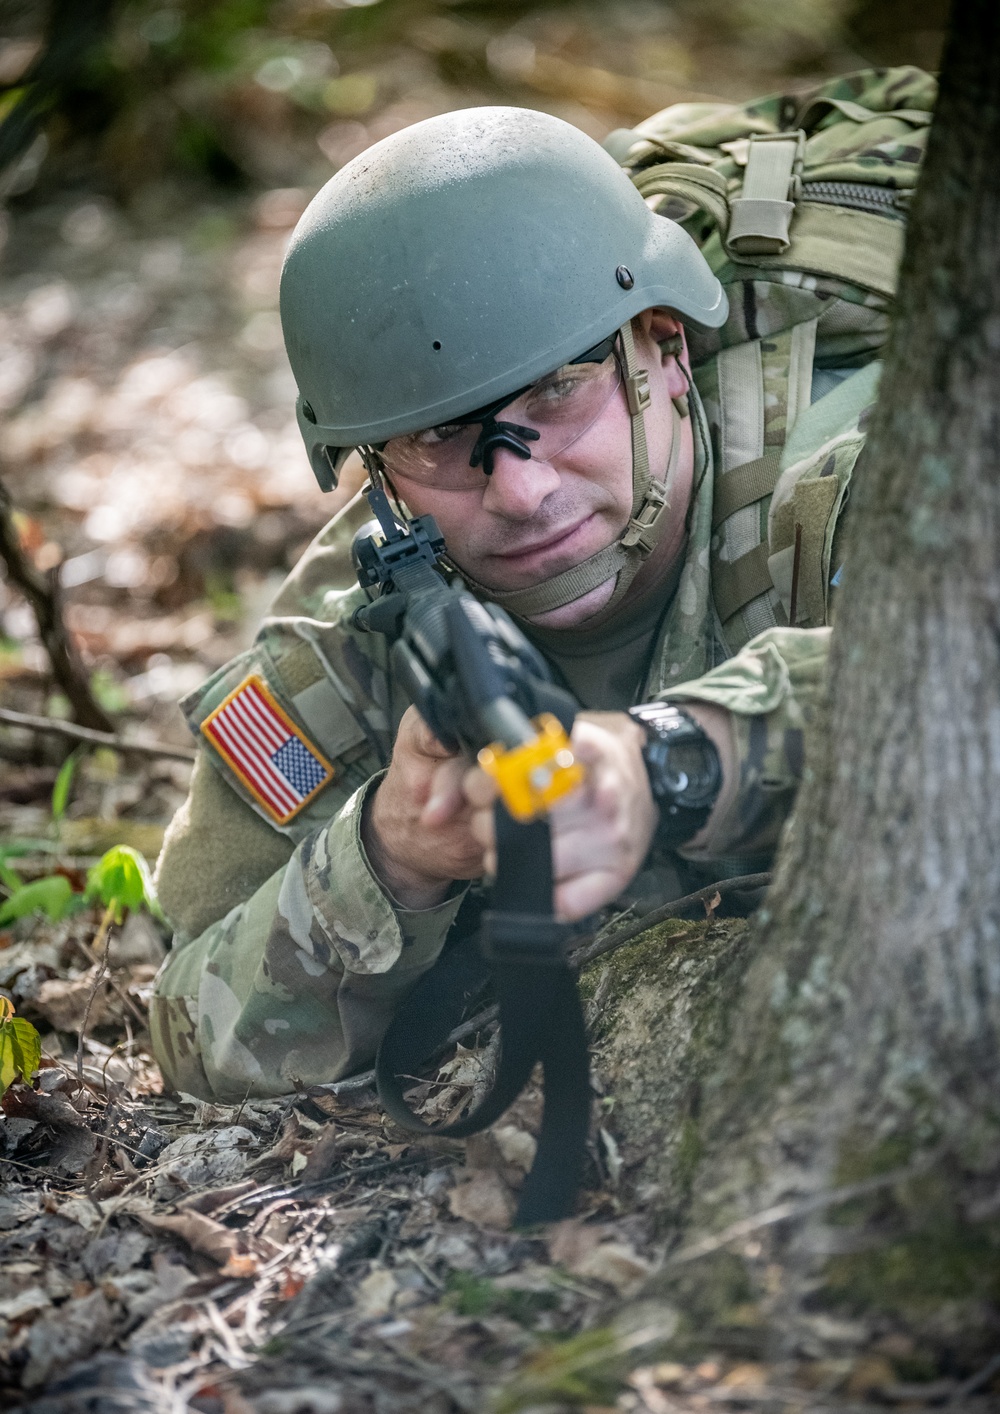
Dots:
pixel 534 775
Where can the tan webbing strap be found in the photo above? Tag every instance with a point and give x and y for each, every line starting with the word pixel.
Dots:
pixel 561 588
pixel 745 485
pixel 625 557
pixel 736 583
pixel 762 215
pixel 637 393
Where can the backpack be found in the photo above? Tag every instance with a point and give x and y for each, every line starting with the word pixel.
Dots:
pixel 799 205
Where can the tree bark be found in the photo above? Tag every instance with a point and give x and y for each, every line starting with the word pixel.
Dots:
pixel 867 1034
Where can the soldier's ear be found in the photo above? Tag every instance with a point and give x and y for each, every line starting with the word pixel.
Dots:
pixel 661 325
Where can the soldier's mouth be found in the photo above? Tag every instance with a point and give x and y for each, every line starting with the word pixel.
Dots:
pixel 558 539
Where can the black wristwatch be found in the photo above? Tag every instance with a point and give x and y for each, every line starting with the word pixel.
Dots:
pixel 685 773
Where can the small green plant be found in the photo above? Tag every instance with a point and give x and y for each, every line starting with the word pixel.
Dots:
pixel 120 881
pixel 64 784
pixel 52 896
pixel 20 1047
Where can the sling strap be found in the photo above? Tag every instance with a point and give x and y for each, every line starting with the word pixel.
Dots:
pixel 521 947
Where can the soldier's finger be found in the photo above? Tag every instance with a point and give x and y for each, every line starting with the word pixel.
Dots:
pixel 480 789
pixel 446 798
pixel 585 893
pixel 481 828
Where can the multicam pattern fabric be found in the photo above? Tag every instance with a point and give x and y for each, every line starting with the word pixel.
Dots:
pixel 290 958
pixel 296 983
pixel 290 988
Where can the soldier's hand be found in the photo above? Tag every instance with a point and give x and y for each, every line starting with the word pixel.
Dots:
pixel 416 828
pixel 602 832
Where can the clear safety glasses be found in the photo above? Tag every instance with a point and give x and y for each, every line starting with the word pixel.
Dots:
pixel 538 422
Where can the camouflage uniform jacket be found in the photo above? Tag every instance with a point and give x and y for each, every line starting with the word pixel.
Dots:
pixel 289 957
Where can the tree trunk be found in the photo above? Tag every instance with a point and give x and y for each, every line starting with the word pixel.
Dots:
pixel 867 1035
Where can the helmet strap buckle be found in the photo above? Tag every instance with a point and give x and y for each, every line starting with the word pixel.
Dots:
pixel 643 530
pixel 637 391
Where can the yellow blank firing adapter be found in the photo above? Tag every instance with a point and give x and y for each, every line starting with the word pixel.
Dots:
pixel 534 775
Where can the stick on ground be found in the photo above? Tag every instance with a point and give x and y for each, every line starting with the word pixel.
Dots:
pixel 42 593
pixel 112 739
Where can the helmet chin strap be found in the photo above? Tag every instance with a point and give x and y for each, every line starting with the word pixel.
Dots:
pixel 626 555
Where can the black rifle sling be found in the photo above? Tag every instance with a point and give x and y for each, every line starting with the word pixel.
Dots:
pixel 540 1020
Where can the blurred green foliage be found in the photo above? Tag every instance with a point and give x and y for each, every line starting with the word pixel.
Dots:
pixel 234 90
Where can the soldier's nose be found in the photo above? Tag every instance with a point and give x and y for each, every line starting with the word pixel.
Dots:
pixel 518 486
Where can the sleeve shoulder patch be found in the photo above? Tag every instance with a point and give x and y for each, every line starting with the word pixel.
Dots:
pixel 273 758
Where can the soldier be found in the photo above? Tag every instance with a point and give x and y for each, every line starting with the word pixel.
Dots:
pixel 485 304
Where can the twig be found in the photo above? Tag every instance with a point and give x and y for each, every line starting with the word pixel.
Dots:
pixel 613 937
pixel 88 734
pixel 42 593
pixel 320 1185
pixel 102 933
pixel 121 994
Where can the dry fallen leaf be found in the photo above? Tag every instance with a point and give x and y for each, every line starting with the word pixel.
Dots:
pixel 63 1002
pixel 517 1146
pixel 747 1375
pixel 484 1199
pixel 205 1235
pixel 376 1292
pixel 579 1248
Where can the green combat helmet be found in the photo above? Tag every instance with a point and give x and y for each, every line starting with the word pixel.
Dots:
pixel 456 262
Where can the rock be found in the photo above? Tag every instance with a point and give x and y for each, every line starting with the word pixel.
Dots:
pixel 666 1004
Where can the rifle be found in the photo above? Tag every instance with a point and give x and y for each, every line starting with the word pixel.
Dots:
pixel 482 688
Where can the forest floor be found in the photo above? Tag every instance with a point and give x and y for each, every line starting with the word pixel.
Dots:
pixel 302 1255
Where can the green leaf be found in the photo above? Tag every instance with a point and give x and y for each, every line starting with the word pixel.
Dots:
pixel 9 877
pixel 122 880
pixel 63 785
pixel 20 1051
pixel 52 896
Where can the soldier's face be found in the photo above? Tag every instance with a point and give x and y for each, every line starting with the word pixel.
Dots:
pixel 533 519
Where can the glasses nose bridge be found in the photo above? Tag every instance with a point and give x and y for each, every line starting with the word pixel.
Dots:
pixel 518 484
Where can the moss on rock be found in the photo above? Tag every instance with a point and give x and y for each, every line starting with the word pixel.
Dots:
pixel 660 1029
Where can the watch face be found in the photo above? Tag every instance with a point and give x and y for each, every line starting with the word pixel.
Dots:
pixel 688 771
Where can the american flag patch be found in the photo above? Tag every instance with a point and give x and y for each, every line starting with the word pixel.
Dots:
pixel 278 766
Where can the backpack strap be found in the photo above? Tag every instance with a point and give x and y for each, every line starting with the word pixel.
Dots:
pixel 763 386
pixel 696 188
pixel 748 483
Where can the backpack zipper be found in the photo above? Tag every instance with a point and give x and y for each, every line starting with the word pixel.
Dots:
pixel 857 196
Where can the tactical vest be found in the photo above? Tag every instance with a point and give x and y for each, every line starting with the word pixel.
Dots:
pixel 799 205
